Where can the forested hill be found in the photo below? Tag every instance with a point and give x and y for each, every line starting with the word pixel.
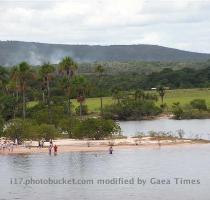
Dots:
pixel 13 52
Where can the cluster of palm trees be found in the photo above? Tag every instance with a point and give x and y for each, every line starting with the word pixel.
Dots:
pixel 21 74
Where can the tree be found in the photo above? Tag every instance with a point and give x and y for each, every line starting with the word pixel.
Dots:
pixel 14 74
pixel 8 107
pixel 46 73
pixel 99 71
pixel 81 87
pixel 162 91
pixel 23 73
pixel 117 94
pixel 67 68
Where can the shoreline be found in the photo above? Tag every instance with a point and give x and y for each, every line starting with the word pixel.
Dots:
pixel 68 145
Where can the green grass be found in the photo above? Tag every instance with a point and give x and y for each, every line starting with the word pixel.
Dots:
pixel 94 103
pixel 184 96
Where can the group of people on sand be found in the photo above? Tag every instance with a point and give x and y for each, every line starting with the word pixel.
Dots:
pixel 41 143
pixel 7 145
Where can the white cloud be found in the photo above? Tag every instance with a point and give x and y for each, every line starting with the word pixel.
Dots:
pixel 176 23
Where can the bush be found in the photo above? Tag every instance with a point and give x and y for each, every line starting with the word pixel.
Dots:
pixel 95 129
pixel 27 129
pixel 199 104
pixel 68 124
pixel 84 110
pixel 47 132
pixel 42 115
pixel 177 110
pixel 130 109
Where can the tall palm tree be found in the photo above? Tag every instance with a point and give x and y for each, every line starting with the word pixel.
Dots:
pixel 67 67
pixel 81 87
pixel 46 71
pixel 14 77
pixel 23 73
pixel 99 71
pixel 117 94
pixel 162 91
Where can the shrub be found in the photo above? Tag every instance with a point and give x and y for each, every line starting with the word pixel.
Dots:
pixel 95 129
pixel 68 124
pixel 27 129
pixel 177 110
pixel 84 110
pixel 47 132
pixel 199 104
pixel 130 109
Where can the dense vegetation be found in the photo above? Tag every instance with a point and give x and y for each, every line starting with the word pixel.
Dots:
pixel 173 79
pixel 53 115
pixel 38 102
pixel 196 109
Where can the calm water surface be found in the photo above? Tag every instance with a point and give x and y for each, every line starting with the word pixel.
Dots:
pixel 190 162
pixel 192 128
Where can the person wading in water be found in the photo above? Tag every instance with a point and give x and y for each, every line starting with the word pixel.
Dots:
pixel 55 149
pixel 110 150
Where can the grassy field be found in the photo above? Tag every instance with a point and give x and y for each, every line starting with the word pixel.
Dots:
pixel 183 96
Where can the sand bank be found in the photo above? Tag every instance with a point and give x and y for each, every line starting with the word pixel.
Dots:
pixel 70 145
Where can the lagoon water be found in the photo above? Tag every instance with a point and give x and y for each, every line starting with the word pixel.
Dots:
pixel 192 128
pixel 186 162
pixel 189 162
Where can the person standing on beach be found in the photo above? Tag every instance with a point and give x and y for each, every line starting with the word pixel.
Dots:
pixel 16 142
pixel 42 143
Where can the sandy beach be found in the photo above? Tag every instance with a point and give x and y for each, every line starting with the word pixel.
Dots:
pixel 70 145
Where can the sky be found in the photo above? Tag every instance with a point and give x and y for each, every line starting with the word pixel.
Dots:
pixel 182 24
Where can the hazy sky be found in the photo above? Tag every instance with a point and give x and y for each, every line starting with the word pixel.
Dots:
pixel 183 24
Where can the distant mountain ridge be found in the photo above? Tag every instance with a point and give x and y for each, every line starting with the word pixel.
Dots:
pixel 13 52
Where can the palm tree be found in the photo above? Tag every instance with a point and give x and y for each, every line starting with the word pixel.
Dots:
pixel 117 94
pixel 23 73
pixel 14 77
pixel 161 90
pixel 99 71
pixel 46 72
pixel 67 67
pixel 81 87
